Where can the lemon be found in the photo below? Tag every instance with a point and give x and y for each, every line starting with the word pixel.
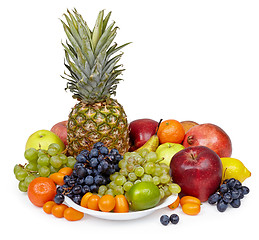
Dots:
pixel 234 168
pixel 143 195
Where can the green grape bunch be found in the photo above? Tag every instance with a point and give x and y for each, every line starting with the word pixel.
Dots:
pixel 41 163
pixel 137 167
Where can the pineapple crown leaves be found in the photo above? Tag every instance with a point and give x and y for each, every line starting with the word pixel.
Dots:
pixel 89 57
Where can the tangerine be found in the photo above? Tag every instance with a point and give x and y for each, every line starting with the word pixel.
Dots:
pixel 170 131
pixel 106 203
pixel 41 190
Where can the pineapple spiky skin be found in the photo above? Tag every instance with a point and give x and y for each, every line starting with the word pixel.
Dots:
pixel 100 122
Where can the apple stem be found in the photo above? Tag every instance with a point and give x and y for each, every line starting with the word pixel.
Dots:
pixel 158 126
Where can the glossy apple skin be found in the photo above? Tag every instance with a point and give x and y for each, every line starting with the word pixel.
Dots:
pixel 60 129
pixel 197 170
pixel 140 131
pixel 211 136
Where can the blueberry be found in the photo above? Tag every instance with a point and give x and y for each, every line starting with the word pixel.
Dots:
pixel 174 218
pixel 214 198
pixel 222 206
pixel 93 162
pixel 94 188
pixel 59 190
pixel 238 184
pixel 231 182
pixel 241 194
pixel 77 199
pixel 85 153
pixel 236 203
pixel 77 189
pixel 118 157
pixel 59 198
pixel 104 150
pixel 85 189
pixel 245 190
pixel 227 197
pixel 89 171
pixel 94 153
pixel 66 179
pixel 114 151
pixel 81 172
pixel 89 180
pixel 71 182
pixel 81 158
pixel 164 219
pixel 223 188
pixel 98 145
pixel 80 181
pixel 98 180
pixel 235 194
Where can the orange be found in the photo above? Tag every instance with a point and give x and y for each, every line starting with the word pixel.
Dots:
pixel 121 204
pixel 71 214
pixel 47 207
pixel 92 202
pixel 41 190
pixel 189 199
pixel 58 178
pixel 170 131
pixel 175 204
pixel 191 208
pixel 106 203
pixel 85 198
pixel 58 210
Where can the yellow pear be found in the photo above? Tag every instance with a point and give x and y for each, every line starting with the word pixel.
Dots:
pixel 234 168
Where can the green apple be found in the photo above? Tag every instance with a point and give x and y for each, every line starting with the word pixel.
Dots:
pixel 167 151
pixel 42 139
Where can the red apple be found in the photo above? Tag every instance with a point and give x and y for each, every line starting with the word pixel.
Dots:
pixel 211 136
pixel 140 131
pixel 197 170
pixel 60 129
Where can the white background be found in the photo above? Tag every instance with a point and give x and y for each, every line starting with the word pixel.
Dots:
pixel 189 60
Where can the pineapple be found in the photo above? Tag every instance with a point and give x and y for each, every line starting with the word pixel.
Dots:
pixel 93 75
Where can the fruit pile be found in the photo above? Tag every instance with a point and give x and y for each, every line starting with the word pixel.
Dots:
pixel 101 162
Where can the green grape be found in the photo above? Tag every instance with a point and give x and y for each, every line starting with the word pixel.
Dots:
pixel 17 168
pixel 126 155
pixel 28 179
pixel 166 190
pixel 122 163
pixel 52 169
pixel 162 193
pixel 149 168
pixel 21 174
pixel 137 181
pixel 132 177
pixel 147 178
pixel 43 160
pixel 56 146
pixel 53 151
pixel 22 187
pixel 118 190
pixel 139 160
pixel 158 170
pixel 71 162
pixel 124 172
pixel 44 171
pixel 32 166
pixel 139 171
pixel 112 185
pixel 31 154
pixel 120 180
pixel 165 167
pixel 151 157
pixel 109 192
pixel 41 152
pixel 156 180
pixel 174 188
pixel 63 157
pixel 130 167
pixel 165 178
pixel 113 176
pixel 127 186
pixel 102 189
pixel 143 152
pixel 131 160
pixel 55 162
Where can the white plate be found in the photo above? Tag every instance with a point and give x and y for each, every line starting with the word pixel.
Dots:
pixel 121 216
